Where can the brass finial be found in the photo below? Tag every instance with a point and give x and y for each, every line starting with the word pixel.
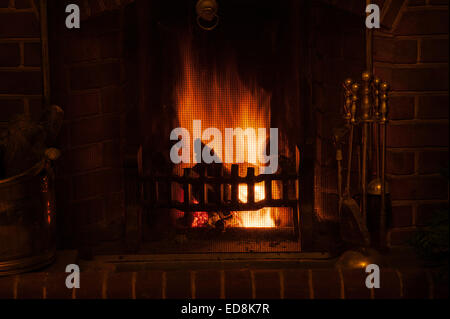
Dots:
pixel 384 101
pixel 355 89
pixel 348 99
pixel 348 82
pixel 376 93
pixel 366 96
pixel 366 76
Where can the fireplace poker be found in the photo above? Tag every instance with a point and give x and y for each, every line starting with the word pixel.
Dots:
pixel 376 123
pixel 365 108
pixel 347 85
pixel 383 122
pixel 354 101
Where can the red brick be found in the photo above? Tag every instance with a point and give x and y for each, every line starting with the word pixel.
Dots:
pixel 351 46
pixel 56 286
pixel 7 287
pixel 149 285
pixel 434 50
pixel 417 135
pixel 389 285
pixel 81 49
pixel 296 284
pixel 419 187
pixel 95 130
pixel 109 45
pixel 400 163
pixel 401 108
pixel 94 76
pixel 420 79
pixel 178 285
pixel 120 286
pixel 8 108
pixel 238 284
pixel 267 284
pixel 86 158
pixel 19 24
pixel 402 216
pixel 423 22
pixel 392 12
pixel 9 54
pixel 412 3
pixel 415 284
pixel 355 284
pixel 32 54
pixel 63 137
pixel 207 284
pixel 36 108
pixel 88 212
pixel 91 285
pixel 96 183
pixel 102 24
pixel 326 284
pixel 112 154
pixel 383 49
pixel 405 51
pixel 114 203
pixel 111 4
pixel 81 105
pixel 433 107
pixel 23 82
pixel 31 286
pixel 111 100
pixel 432 162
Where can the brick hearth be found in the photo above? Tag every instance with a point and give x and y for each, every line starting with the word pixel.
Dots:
pixel 227 284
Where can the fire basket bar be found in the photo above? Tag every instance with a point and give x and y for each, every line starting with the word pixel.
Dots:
pixel 150 196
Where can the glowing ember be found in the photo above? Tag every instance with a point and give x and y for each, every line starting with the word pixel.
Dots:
pixel 200 219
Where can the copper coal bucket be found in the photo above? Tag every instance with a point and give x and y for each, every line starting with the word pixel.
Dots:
pixel 27 220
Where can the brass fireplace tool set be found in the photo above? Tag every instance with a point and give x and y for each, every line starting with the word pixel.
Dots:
pixel 365 113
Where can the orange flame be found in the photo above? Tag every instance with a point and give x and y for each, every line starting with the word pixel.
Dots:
pixel 223 101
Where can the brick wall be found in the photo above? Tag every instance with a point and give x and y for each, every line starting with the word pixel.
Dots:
pixel 87 77
pixel 411 53
pixel 20 59
pixel 88 82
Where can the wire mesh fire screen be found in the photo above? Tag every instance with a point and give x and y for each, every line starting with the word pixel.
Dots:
pixel 213 84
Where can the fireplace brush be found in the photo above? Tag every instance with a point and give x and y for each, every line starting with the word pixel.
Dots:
pixel 366 112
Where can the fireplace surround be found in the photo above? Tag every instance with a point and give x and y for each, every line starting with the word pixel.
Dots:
pixel 125 75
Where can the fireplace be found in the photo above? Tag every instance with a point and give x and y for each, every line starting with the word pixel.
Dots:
pixel 134 74
pixel 250 74
pixel 231 183
pixel 204 151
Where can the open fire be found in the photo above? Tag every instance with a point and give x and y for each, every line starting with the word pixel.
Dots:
pixel 223 101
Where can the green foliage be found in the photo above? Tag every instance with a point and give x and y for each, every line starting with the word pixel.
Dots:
pixel 432 242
